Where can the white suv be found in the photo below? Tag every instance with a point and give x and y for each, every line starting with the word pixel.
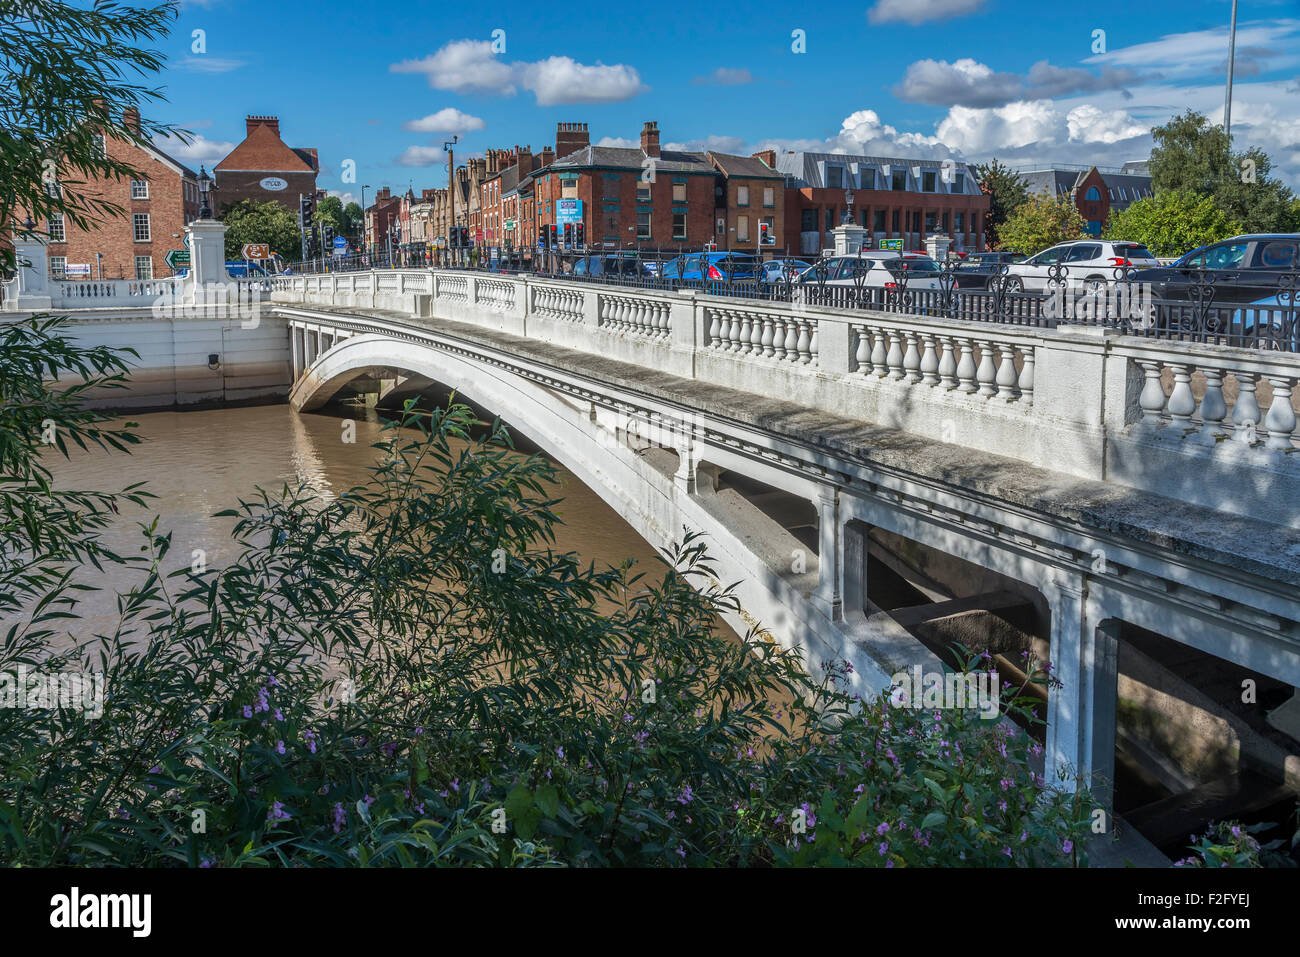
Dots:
pixel 1089 263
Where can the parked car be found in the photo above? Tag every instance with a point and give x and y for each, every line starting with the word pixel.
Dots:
pixel 611 265
pixel 1242 269
pixel 697 267
pixel 977 269
pixel 875 269
pixel 781 270
pixel 1089 263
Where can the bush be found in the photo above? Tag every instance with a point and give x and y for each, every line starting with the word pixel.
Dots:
pixel 408 674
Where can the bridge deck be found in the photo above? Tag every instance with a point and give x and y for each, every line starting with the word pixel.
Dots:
pixel 1253 547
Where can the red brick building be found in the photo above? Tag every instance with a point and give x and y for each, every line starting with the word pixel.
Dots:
pixel 381 217
pixel 749 202
pixel 647 197
pixel 262 168
pixel 156 210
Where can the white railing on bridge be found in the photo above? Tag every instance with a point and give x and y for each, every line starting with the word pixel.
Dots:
pixel 1206 423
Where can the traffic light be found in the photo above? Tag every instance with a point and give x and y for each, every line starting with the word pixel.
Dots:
pixel 555 236
pixel 764 235
pixel 568 235
pixel 580 235
pixel 546 237
pixel 327 235
pixel 305 207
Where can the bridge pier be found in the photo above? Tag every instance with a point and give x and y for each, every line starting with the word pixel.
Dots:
pixel 830 554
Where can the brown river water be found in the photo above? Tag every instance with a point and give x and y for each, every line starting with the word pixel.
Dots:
pixel 198 463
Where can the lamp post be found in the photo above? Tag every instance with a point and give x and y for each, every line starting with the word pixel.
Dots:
pixel 364 248
pixel 848 207
pixel 1232 57
pixel 205 184
pixel 451 184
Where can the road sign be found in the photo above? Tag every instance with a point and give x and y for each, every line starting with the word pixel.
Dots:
pixel 891 244
pixel 340 242
pixel 177 259
pixel 76 271
pixel 257 251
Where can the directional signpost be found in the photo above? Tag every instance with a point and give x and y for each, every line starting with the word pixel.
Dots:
pixel 891 244
pixel 257 251
pixel 177 259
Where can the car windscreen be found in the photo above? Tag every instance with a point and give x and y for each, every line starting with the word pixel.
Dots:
pixel 1133 251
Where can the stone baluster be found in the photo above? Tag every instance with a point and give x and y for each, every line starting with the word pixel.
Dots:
pixel 803 345
pixel 895 357
pixel 812 341
pixel 1152 399
pixel 792 340
pixel 1245 411
pixel 778 338
pixel 1281 420
pixel 912 358
pixel 879 354
pixel 715 329
pixel 1182 403
pixel 1027 376
pixel 987 373
pixel 929 360
pixel 1213 408
pixel 966 367
pixel 766 340
pixel 747 334
pixel 947 365
pixel 1006 379
pixel 724 329
pixel 862 355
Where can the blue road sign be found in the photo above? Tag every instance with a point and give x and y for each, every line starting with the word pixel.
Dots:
pixel 340 242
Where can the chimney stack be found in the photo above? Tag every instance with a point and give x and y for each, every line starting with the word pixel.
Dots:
pixel 571 137
pixel 650 139
pixel 253 122
pixel 767 156
pixel 131 119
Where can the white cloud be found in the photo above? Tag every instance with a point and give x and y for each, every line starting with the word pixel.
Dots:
pixel 919 11
pixel 968 82
pixel 725 76
pixel 447 120
pixel 199 150
pixel 720 144
pixel 560 79
pixel 619 142
pixel 1201 52
pixel 344 197
pixel 422 156
pixel 463 66
pixel 470 66
pixel 208 64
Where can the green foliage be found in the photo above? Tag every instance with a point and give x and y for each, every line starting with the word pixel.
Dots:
pixel 66 74
pixel 346 220
pixel 251 222
pixel 1041 222
pixel 1007 192
pixel 1172 222
pixel 1231 844
pixel 1191 155
pixel 409 675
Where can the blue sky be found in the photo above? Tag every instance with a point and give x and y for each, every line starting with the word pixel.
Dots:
pixel 385 84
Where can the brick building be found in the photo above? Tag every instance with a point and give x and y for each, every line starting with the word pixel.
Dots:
pixel 673 207
pixel 156 210
pixel 749 202
pixel 1094 192
pixel 262 168
pixel 381 217
pixel 893 198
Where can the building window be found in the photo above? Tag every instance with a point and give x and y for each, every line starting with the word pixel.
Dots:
pixel 958 182
pixel 834 177
pixel 899 180
pixel 143 267
pixel 742 195
pixel 1093 194
pixel 769 196
pixel 679 225
pixel 101 145
pixel 1123 195
pixel 742 229
pixel 56 228
pixel 642 192
pixel 896 229
pixel 679 192
pixel 928 181
pixel 140 227
pixel 58 264
pixel 959 222
pixel 830 219
pixel 868 178
pixel 643 224
pixel 139 189
pixel 878 224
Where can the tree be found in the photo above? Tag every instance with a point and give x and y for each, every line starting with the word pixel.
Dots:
pixel 1007 192
pixel 1172 222
pixel 66 77
pixel 353 217
pixel 1040 222
pixel 251 222
pixel 1191 155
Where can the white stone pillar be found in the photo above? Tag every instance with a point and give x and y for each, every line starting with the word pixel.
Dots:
pixel 206 241
pixel 829 552
pixel 295 350
pixel 30 290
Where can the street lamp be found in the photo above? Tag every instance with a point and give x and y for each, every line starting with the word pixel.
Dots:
pixel 205 184
pixel 363 218
pixel 848 207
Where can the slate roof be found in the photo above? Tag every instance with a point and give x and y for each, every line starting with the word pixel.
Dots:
pixel 805 168
pixel 617 157
pixel 749 167
pixel 263 150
